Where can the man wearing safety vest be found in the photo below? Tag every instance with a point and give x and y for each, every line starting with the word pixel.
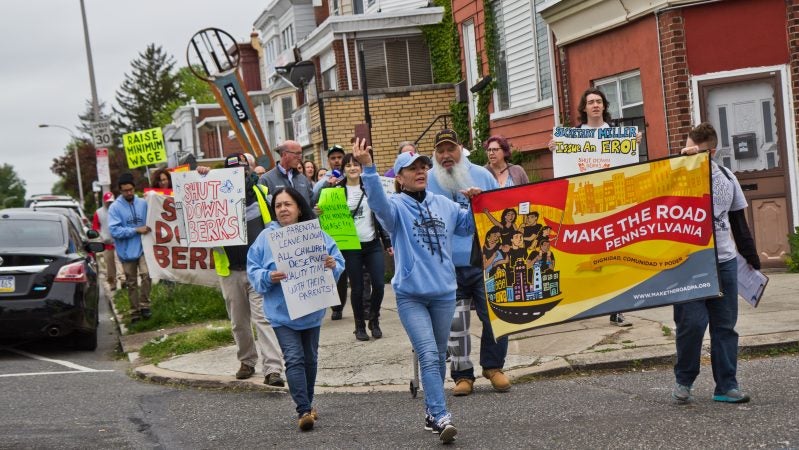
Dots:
pixel 244 305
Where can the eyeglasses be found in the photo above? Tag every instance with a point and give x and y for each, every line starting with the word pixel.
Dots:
pixel 293 153
pixel 493 149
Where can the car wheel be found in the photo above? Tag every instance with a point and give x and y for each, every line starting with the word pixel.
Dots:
pixel 85 340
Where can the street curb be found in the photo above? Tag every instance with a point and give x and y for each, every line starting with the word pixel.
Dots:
pixel 624 359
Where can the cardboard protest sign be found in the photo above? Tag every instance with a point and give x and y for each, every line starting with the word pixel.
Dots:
pixel 299 251
pixel 337 220
pixel 143 148
pixel 616 240
pixel 210 208
pixel 581 150
pixel 167 258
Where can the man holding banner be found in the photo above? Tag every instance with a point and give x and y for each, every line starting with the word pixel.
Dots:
pixel 692 318
pixel 452 172
pixel 575 155
pixel 245 305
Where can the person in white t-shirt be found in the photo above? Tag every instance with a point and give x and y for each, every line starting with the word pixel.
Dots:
pixel 692 318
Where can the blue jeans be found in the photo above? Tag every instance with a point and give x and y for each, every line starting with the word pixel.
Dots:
pixel 300 351
pixel 427 324
pixel 692 318
pixel 471 290
pixel 371 256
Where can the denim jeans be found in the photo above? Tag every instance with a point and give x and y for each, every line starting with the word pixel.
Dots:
pixel 692 318
pixel 300 351
pixel 371 256
pixel 492 353
pixel 427 324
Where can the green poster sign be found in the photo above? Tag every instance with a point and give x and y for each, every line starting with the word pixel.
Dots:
pixel 143 148
pixel 336 219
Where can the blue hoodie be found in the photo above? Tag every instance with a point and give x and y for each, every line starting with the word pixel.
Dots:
pixel 260 265
pixel 422 236
pixel 123 219
pixel 481 178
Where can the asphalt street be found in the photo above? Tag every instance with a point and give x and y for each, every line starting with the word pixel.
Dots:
pixel 92 403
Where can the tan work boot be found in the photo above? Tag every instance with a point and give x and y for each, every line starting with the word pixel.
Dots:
pixel 463 387
pixel 499 381
pixel 306 422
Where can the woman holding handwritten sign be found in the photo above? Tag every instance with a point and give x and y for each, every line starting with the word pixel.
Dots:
pixel 298 338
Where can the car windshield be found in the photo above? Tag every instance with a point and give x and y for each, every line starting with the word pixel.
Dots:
pixel 30 233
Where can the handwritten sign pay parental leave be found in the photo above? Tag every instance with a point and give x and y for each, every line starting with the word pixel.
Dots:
pixel 210 208
pixel 145 147
pixel 336 219
pixel 299 251
pixel 581 150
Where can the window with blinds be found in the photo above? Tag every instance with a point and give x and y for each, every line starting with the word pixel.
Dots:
pixel 522 55
pixel 396 62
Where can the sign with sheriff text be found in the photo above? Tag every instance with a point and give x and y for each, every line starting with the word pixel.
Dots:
pixel 581 150
pixel 144 148
pixel 616 240
pixel 210 208
pixel 299 251
pixel 168 258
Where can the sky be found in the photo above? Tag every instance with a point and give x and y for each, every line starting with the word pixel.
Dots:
pixel 44 75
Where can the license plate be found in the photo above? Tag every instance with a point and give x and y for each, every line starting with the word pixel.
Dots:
pixel 7 283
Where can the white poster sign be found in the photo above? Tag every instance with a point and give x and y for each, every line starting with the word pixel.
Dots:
pixel 103 172
pixel 210 208
pixel 388 185
pixel 300 252
pixel 167 258
pixel 580 150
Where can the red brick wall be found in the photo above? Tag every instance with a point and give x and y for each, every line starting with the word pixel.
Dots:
pixel 250 67
pixel 675 76
pixel 341 64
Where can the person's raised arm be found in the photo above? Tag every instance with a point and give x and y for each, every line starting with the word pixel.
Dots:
pixel 375 196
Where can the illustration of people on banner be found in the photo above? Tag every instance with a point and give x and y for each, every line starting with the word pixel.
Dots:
pixel 615 240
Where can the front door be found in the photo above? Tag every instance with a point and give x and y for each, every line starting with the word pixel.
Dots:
pixel 748 117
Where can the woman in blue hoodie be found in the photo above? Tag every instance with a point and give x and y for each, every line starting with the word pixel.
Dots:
pixel 298 338
pixel 422 226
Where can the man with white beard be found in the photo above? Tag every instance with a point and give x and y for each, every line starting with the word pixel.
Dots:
pixel 452 172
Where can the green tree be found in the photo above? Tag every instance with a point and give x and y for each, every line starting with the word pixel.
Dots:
pixel 191 87
pixel 12 188
pixel 146 90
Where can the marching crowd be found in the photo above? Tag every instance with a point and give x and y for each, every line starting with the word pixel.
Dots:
pixel 428 228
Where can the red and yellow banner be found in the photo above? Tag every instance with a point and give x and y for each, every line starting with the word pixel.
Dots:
pixel 617 240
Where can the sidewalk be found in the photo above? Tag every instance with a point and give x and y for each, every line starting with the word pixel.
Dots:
pixel 347 365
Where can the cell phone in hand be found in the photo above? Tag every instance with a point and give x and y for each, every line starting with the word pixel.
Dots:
pixel 362 131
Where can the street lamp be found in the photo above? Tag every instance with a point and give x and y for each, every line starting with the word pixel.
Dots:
pixel 77 159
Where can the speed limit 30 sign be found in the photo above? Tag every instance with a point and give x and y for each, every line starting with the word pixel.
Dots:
pixel 101 132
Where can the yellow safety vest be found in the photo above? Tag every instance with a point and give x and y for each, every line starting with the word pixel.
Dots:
pixel 221 263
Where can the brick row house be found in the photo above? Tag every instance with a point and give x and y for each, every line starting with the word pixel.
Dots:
pixel 667 65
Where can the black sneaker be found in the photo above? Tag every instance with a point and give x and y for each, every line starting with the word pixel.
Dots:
pixel 145 313
pixel 618 320
pixel 428 422
pixel 336 315
pixel 445 430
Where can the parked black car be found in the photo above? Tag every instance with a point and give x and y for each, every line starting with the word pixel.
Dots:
pixel 48 281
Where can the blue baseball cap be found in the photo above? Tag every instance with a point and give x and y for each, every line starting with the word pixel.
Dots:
pixel 406 159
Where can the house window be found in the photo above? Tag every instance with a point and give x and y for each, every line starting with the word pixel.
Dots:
pixel 335 7
pixel 626 103
pixel 522 57
pixel 329 79
pixel 287 37
pixel 287 105
pixel 357 6
pixel 396 62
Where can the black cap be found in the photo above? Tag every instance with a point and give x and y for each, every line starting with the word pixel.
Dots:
pixel 446 135
pixel 125 178
pixel 335 148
